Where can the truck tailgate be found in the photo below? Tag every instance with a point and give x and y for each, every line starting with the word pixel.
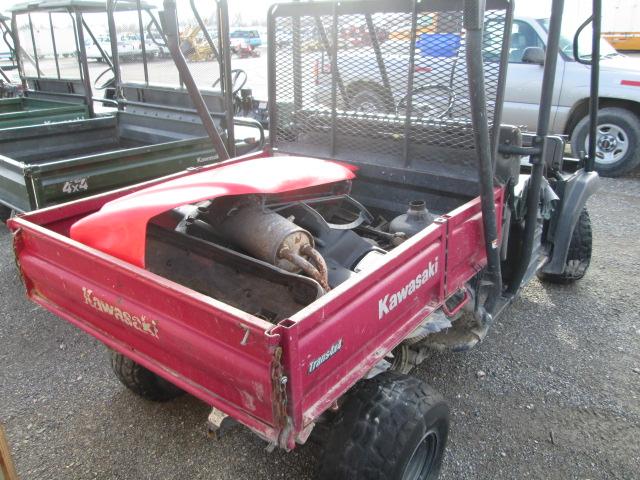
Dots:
pixel 217 353
pixel 276 379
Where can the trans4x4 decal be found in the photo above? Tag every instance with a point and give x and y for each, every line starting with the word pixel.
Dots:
pixel 335 348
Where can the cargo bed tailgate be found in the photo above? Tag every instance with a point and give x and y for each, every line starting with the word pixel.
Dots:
pixel 215 352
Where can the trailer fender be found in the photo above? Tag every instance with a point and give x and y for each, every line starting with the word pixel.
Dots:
pixel 577 191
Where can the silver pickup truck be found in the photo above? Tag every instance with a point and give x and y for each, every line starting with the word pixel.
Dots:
pixel 438 92
pixel 618 143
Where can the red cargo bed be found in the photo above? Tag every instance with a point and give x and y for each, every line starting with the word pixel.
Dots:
pixel 275 379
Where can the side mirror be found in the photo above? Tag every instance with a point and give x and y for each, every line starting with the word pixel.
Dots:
pixel 533 55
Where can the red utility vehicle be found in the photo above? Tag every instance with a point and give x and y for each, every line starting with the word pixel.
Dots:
pixel 293 289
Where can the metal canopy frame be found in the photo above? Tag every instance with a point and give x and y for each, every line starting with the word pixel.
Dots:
pixel 73 6
pixel 484 136
pixel 317 10
pixel 75 9
pixel 8 39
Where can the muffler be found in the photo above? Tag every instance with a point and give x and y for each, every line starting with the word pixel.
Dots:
pixel 274 239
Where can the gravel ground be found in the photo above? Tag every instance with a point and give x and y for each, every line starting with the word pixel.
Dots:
pixel 559 399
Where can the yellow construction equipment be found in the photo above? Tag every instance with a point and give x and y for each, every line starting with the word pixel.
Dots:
pixel 194 46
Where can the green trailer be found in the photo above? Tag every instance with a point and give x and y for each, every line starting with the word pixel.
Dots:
pixel 49 91
pixel 56 163
pixel 154 131
pixel 24 111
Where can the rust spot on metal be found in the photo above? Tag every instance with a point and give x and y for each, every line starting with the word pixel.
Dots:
pixel 278 389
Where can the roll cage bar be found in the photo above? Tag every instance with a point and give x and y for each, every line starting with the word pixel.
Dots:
pixel 486 143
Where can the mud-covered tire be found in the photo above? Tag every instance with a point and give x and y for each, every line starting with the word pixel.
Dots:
pixel 623 124
pixel 579 256
pixel 141 381
pixel 382 428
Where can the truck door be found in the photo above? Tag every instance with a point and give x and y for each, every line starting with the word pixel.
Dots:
pixel 524 80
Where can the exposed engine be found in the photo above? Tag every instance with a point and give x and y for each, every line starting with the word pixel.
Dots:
pixel 288 247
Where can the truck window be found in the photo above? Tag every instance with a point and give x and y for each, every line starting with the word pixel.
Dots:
pixel 523 36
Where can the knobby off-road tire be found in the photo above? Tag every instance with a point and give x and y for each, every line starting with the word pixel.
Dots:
pixel 579 256
pixel 390 427
pixel 622 125
pixel 142 381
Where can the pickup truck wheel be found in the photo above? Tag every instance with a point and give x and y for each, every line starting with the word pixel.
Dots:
pixel 367 100
pixel 391 427
pixel 141 381
pixel 579 256
pixel 618 142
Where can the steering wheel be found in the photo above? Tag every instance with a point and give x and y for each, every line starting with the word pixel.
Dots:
pixel 238 80
pixel 107 82
pixel 162 43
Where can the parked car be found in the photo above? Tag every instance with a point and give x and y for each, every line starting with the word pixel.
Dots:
pixel 251 37
pixel 130 48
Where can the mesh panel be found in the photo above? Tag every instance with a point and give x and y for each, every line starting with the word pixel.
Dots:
pixel 346 84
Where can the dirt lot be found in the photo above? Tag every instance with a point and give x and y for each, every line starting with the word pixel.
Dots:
pixel 560 398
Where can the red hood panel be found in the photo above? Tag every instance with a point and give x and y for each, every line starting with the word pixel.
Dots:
pixel 119 227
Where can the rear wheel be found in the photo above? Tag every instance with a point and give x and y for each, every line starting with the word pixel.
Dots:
pixel 141 381
pixel 618 142
pixel 391 427
pixel 579 256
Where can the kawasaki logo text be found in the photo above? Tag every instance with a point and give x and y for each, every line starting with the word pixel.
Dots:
pixel 137 322
pixel 392 300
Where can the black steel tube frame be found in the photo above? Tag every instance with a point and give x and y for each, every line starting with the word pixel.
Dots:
pixel 502 79
pixel 376 49
pixel 4 75
pixel 97 44
pixel 474 25
pixel 225 72
pixel 33 43
pixel 170 26
pixel 82 53
pixel 204 30
pixel 113 39
pixel 595 19
pixel 143 45
pixel 75 34
pixel 334 76
pixel 8 32
pixel 297 65
pixel 53 43
pixel 332 51
pixel 271 77
pixel 18 48
pixel 595 85
pixel 409 95
pixel 537 161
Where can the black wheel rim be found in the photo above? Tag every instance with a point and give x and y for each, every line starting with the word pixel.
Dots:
pixel 423 458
